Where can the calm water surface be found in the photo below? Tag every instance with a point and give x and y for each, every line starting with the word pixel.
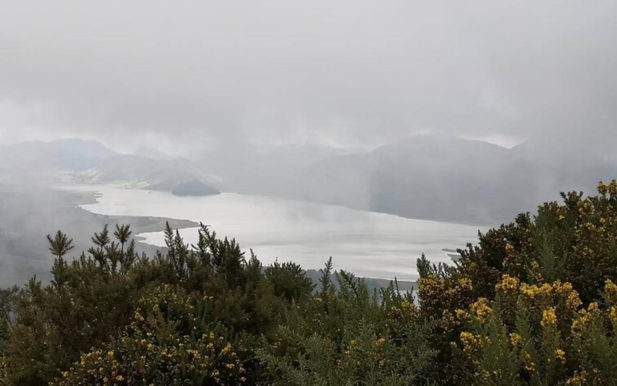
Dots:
pixel 366 243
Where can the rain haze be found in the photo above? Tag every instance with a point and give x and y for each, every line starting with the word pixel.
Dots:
pixel 464 113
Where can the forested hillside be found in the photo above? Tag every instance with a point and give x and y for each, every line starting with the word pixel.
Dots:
pixel 534 302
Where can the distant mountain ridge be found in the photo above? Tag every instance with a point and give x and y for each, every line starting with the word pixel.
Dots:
pixel 423 176
pixel 67 154
pixel 87 161
pixel 452 179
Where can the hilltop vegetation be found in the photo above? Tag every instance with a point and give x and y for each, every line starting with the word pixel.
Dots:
pixel 534 302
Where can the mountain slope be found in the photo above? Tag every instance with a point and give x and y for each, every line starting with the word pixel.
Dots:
pixel 445 178
pixel 84 161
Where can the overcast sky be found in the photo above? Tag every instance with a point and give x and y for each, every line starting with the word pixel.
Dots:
pixel 187 74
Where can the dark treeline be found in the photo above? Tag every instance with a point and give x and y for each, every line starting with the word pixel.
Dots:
pixel 533 303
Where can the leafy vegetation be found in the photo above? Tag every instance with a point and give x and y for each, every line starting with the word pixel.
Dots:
pixel 535 302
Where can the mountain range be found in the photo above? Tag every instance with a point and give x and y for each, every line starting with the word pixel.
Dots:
pixel 90 162
pixel 452 179
pixel 423 176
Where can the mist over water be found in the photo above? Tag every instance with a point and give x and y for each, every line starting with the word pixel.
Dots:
pixel 366 243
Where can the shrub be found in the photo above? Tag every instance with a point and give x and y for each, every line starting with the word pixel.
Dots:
pixel 535 302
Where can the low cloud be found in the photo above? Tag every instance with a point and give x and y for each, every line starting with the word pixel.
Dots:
pixel 196 74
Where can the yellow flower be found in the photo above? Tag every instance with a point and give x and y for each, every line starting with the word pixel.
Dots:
pixel 226 349
pixel 466 335
pixel 110 353
pixel 611 291
pixel 465 283
pixel 549 319
pixel 528 290
pixel 545 289
pixel 119 378
pixel 138 316
pixel 470 341
pixel 533 291
pixel 508 284
pixel 602 188
pixel 461 314
pixel 515 339
pixel 529 364
pixel 567 292
pixel 408 307
pixel 613 315
pixel 573 301
pixel 482 309
pixel 612 187
pixel 578 379
pixel 560 355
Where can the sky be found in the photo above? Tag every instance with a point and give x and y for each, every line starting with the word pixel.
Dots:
pixel 191 75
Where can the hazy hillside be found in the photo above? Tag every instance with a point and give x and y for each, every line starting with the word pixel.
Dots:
pixel 28 215
pixel 452 179
pixel 427 176
pixel 82 161
pixel 269 170
pixel 66 154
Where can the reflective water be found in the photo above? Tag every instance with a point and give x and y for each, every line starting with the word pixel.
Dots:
pixel 366 243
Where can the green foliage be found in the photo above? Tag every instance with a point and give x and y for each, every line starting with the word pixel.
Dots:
pixel 533 303
pixel 60 244
pixel 349 337
pixel 8 298
pixel 160 346
pixel 289 281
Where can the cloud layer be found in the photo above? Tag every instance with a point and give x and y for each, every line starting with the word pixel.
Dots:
pixel 191 74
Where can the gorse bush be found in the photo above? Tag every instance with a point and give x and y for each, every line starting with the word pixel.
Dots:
pixel 92 301
pixel 548 339
pixel 349 336
pixel 161 345
pixel 531 304
pixel 534 302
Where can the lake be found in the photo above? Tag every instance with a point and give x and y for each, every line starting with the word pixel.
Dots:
pixel 366 243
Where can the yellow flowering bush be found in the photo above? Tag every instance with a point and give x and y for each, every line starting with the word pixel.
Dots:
pixel 549 319
pixel 437 295
pixel 533 347
pixel 196 361
pixel 610 289
pixel 534 302
pixel 401 317
pixel 481 309
pixel 155 349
